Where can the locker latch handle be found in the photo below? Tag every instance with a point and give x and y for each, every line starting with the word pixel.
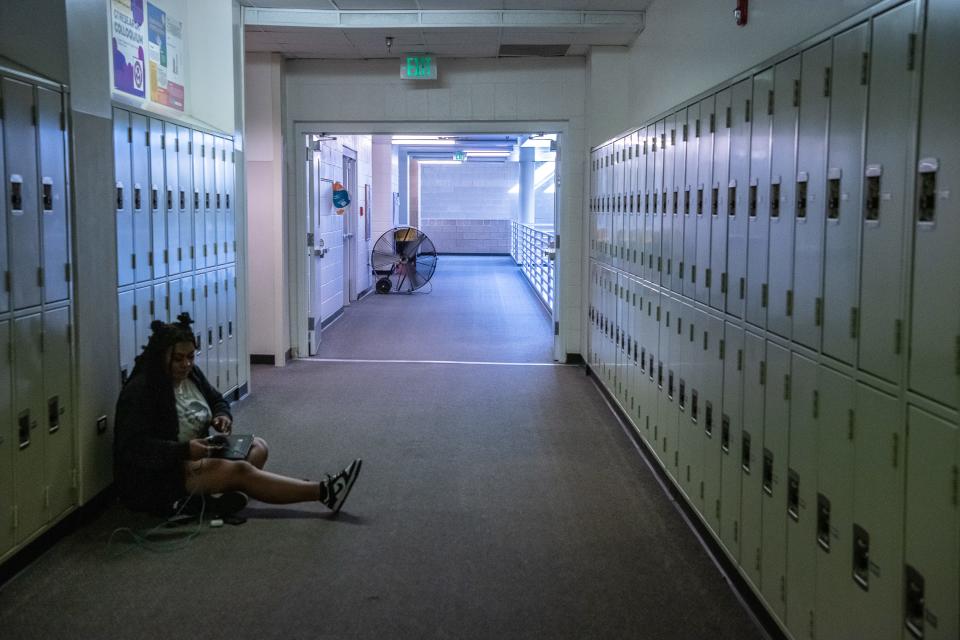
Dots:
pixel 775 200
pixel 715 200
pixel 768 472
pixel 732 199
pixel 230 328
pixel 47 194
pixel 169 199
pixel 823 522
pixel 209 337
pixel 700 201
pixel 670 384
pixel 861 557
pixel 745 451
pixel 802 183
pixel 137 204
pixel 119 195
pixel 928 190
pixel 196 200
pixel 915 602
pixel 725 433
pixel 793 495
pixel 218 201
pixel 16 192
pixel 872 197
pixel 154 199
pixel 183 200
pixel 23 428
pixel 683 394
pixel 53 414
pixel 753 201
pixel 708 420
pixel 833 198
pixel 206 199
pixel 694 405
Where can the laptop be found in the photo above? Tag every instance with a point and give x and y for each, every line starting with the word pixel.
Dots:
pixel 232 447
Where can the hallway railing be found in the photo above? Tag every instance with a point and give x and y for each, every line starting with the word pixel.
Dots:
pixel 533 249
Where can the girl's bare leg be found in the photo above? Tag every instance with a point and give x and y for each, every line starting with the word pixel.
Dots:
pixel 213 475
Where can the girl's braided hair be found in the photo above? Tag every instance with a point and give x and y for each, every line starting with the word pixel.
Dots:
pixel 153 360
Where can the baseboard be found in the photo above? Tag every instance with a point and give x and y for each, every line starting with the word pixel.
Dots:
pixel 575 358
pixel 79 517
pixel 333 318
pixel 730 571
pixel 261 358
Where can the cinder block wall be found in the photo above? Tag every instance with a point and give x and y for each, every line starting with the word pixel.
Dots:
pixel 468 236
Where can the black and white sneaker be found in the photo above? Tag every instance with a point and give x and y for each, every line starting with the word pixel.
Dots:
pixel 338 485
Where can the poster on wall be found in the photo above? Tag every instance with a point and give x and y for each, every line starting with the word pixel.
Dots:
pixel 166 58
pixel 149 55
pixel 129 70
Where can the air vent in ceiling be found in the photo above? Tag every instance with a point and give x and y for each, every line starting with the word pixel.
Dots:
pixel 541 50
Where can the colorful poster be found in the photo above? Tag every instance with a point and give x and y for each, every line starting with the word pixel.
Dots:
pixel 166 63
pixel 129 70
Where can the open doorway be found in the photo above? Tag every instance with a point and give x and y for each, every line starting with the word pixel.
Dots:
pixel 489 204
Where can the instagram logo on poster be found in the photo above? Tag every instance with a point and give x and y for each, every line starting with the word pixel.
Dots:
pixel 138 74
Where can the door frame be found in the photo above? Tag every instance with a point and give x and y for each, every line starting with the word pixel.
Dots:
pixel 569 220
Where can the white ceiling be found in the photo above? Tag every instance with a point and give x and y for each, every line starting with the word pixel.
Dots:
pixel 581 24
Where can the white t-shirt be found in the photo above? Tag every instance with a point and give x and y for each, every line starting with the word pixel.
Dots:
pixel 193 411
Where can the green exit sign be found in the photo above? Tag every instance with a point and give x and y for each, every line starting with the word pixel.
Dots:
pixel 460 156
pixel 418 66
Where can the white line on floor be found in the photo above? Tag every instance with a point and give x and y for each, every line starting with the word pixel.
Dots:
pixel 501 364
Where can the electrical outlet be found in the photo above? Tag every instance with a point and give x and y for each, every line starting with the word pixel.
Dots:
pixel 101 425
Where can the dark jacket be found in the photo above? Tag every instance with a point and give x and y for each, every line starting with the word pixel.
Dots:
pixel 147 457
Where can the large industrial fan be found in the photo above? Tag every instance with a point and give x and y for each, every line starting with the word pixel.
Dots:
pixel 403 260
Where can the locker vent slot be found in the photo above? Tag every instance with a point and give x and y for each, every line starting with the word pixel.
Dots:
pixel 861 557
pixel 872 204
pixel 928 196
pixel 775 200
pixel 823 522
pixel 23 428
pixel 793 495
pixel 744 452
pixel 708 419
pixel 725 433
pixel 768 472
pixel 914 600
pixel 833 198
pixel 802 199
pixel 53 414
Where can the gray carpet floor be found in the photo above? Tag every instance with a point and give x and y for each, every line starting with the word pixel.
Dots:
pixel 496 501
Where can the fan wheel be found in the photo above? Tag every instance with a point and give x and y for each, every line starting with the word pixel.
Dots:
pixel 384 285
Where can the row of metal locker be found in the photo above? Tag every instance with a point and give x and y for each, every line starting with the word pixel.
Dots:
pixel 174 198
pixel 34 236
pixel 211 300
pixel 841 511
pixel 815 199
pixel 37 461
